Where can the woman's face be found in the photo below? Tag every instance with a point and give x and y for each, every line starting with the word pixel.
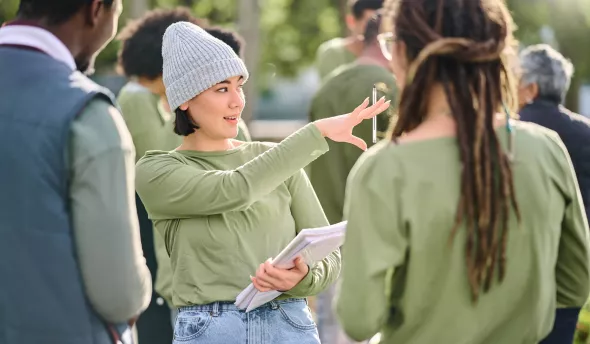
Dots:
pixel 216 111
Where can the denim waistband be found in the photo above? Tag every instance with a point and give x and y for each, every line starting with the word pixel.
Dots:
pixel 224 306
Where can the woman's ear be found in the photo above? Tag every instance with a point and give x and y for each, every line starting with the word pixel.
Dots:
pixel 183 106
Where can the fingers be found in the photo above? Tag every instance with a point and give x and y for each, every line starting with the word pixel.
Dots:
pixel 361 107
pixel 374 109
pixel 264 279
pixel 301 265
pixel 257 285
pixel 357 141
pixel 272 272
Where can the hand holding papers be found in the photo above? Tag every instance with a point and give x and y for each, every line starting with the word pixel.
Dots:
pixel 312 245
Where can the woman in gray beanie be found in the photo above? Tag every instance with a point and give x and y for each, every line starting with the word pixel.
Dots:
pixel 225 206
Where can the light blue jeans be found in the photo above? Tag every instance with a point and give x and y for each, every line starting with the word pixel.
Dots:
pixel 278 322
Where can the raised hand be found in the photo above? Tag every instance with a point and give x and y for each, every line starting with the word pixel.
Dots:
pixel 339 128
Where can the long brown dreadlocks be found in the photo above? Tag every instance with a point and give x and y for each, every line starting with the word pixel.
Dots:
pixel 462 45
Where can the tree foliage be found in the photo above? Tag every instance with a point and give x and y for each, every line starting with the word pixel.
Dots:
pixel 291 30
pixel 570 20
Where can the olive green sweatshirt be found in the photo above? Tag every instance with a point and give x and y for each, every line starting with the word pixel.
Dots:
pixel 152 127
pixel 223 213
pixel 401 277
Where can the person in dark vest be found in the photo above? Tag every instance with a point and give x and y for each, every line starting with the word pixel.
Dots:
pixel 67 210
pixel 545 77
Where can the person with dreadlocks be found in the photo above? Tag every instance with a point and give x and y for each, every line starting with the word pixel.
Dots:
pixel 465 226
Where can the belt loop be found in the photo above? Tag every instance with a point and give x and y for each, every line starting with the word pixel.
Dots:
pixel 215 311
pixel 274 305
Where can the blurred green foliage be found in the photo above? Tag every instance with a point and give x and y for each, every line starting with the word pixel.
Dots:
pixel 291 30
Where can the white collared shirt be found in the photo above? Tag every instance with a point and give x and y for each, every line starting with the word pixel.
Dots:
pixel 38 38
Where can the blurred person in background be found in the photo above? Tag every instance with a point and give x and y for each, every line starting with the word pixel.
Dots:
pixel 464 226
pixel 150 122
pixel 67 212
pixel 224 206
pixel 347 86
pixel 545 77
pixel 341 51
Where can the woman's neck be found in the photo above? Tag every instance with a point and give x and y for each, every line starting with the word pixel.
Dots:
pixel 437 103
pixel 439 120
pixel 201 142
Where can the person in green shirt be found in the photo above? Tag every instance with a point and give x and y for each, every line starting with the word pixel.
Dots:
pixel 348 85
pixel 144 106
pixel 341 51
pixel 464 226
pixel 225 206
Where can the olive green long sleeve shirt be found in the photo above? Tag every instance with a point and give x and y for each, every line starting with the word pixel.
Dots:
pixel 223 213
pixel 402 278
pixel 106 231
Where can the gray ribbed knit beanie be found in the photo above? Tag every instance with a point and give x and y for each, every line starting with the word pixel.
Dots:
pixel 195 61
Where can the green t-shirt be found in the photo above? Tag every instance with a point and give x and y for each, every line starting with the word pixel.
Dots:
pixel 224 213
pixel 400 272
pixel 150 126
pixel 331 55
pixel 347 87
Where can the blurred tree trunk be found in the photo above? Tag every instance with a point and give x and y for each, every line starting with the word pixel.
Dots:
pixel 343 10
pixel 248 26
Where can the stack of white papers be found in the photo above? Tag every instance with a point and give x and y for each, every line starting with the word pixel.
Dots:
pixel 312 245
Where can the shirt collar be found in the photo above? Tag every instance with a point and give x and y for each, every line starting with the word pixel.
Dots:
pixel 37 38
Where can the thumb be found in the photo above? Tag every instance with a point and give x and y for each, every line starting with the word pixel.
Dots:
pixel 300 264
pixel 357 141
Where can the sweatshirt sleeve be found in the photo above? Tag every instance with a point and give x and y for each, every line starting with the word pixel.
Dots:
pixel 307 212
pixel 104 218
pixel 170 189
pixel 137 108
pixel 375 246
pixel 572 271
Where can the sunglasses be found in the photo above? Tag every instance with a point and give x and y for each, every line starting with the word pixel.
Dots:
pixel 386 41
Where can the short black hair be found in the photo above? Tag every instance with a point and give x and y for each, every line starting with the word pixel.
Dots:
pixel 141 41
pixel 358 7
pixel 231 38
pixel 183 124
pixel 54 11
pixel 372 30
